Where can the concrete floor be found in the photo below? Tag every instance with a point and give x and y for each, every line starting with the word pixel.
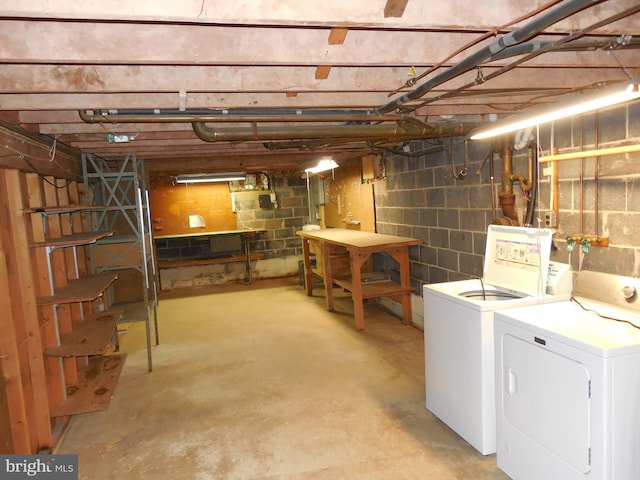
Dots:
pixel 261 382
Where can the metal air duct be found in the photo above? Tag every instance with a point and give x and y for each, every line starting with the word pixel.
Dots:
pixel 411 128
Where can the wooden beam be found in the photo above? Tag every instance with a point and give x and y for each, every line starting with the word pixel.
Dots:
pixel 306 14
pixel 25 151
pixel 337 35
pixel 322 72
pixel 54 382
pixel 24 309
pixel 18 423
pixel 395 8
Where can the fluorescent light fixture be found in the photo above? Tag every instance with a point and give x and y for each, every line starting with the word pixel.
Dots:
pixel 210 177
pixel 322 166
pixel 605 97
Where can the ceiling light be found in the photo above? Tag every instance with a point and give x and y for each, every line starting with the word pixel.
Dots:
pixel 605 97
pixel 322 166
pixel 210 177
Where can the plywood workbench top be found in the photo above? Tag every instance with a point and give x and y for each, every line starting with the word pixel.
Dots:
pixel 244 232
pixel 355 238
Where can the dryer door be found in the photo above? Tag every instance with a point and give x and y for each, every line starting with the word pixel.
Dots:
pixel 546 396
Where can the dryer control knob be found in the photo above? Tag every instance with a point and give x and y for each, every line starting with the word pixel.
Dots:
pixel 628 292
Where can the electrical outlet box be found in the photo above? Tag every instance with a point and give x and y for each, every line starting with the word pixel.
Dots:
pixel 265 201
pixel 550 219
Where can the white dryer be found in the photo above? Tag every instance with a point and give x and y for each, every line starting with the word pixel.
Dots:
pixel 568 384
pixel 458 328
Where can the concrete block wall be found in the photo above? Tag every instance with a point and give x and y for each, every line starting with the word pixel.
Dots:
pixel 425 196
pixel 282 222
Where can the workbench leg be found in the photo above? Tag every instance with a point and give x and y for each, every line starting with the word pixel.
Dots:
pixel 406 308
pixel 328 275
pixel 357 260
pixel 247 250
pixel 308 274
pixel 401 255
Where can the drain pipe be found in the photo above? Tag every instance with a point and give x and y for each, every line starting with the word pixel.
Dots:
pixel 507 197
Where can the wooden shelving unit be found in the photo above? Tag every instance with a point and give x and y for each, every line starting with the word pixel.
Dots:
pixel 79 332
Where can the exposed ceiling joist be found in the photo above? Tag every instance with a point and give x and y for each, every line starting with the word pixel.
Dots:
pixel 59 58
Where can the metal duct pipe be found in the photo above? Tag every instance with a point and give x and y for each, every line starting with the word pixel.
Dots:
pixel 405 130
pixel 315 144
pixel 527 31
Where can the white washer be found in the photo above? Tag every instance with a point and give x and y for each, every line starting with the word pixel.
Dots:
pixel 458 329
pixel 568 387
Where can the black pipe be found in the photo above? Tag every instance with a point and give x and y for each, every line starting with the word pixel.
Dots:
pixel 226 112
pixel 534 27
pixel 533 193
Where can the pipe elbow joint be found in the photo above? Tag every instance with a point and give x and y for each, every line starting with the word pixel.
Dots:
pixel 204 133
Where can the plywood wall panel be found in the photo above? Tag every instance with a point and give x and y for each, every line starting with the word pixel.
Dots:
pixel 349 201
pixel 172 204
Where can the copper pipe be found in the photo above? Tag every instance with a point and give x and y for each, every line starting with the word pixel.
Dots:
pixel 596 167
pixel 526 183
pixel 493 187
pixel 581 175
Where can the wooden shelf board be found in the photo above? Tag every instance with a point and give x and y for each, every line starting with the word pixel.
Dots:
pixel 83 289
pixel 83 238
pixel 119 238
pixel 64 209
pixel 134 311
pixel 207 261
pixel 96 384
pixel 374 289
pixel 89 337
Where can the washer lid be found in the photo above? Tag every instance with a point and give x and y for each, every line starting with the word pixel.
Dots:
pixel 517 259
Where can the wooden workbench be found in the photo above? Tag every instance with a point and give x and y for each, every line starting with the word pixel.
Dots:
pixel 359 246
pixel 246 234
